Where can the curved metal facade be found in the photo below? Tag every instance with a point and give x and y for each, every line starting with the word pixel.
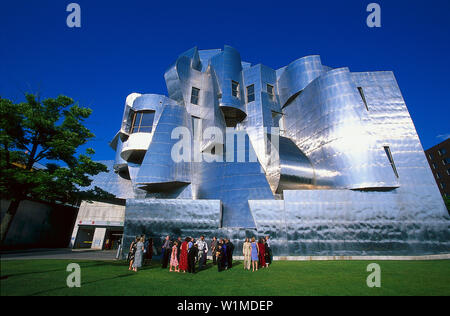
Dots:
pixel 324 160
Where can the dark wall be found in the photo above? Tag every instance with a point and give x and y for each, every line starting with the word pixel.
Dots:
pixel 437 156
pixel 39 225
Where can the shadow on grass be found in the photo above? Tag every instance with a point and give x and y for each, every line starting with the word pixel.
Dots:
pixel 91 265
pixel 153 265
pixel 83 283
pixel 210 265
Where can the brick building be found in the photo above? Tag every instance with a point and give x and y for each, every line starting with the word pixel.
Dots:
pixel 439 159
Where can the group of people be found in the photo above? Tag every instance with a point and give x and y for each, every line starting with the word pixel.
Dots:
pixel 141 252
pixel 183 255
pixel 257 254
pixel 222 253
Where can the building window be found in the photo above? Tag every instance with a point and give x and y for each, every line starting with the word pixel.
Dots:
pixel 430 156
pixel 195 95
pixel 433 165
pixel 197 128
pixel 142 122
pixel 438 175
pixel 130 120
pixel 448 172
pixel 446 161
pixel 391 159
pixel 442 151
pixel 363 97
pixel 235 88
pixel 442 185
pixel 250 93
pixel 270 92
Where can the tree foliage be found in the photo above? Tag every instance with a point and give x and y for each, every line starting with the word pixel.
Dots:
pixel 447 203
pixel 51 132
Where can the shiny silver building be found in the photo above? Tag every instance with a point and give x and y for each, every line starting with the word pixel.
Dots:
pixel 325 161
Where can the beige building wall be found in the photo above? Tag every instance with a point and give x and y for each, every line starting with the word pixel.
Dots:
pixel 98 215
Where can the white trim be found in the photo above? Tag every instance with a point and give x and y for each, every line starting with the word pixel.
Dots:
pixel 349 258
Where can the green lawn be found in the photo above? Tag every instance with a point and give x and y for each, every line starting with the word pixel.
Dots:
pixel 48 277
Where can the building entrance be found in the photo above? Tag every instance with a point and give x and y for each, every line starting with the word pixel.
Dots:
pixel 113 238
pixel 84 237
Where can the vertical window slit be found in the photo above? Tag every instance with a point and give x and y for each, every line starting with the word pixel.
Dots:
pixel 363 97
pixel 391 159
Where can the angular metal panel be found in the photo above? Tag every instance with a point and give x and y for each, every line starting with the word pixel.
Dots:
pixel 157 218
pixel 330 124
pixel 297 75
pixel 153 174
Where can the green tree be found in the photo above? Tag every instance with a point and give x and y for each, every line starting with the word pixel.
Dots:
pixel 50 131
pixel 447 203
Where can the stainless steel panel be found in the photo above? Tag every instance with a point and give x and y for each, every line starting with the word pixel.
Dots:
pixel 324 187
pixel 158 218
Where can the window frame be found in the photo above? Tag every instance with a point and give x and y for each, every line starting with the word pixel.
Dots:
pixel 237 89
pixel 250 94
pixel 271 95
pixel 139 126
pixel 195 96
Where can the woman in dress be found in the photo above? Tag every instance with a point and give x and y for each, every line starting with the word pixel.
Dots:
pixel 139 254
pixel 132 253
pixel 247 251
pixel 255 253
pixel 183 264
pixel 262 253
pixel 174 258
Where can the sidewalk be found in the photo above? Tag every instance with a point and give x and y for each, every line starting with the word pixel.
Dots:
pixel 62 253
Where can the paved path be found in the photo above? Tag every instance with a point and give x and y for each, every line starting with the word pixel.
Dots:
pixel 59 254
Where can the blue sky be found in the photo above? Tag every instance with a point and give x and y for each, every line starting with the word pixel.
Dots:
pixel 125 46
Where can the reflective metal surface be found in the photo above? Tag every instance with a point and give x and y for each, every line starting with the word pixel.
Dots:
pixel 175 217
pixel 332 163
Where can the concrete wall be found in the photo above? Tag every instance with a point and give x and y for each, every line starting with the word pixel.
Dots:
pixel 99 238
pixel 39 225
pixel 100 211
pixel 97 214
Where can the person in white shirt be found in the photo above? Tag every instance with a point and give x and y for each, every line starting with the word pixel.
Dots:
pixel 202 251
